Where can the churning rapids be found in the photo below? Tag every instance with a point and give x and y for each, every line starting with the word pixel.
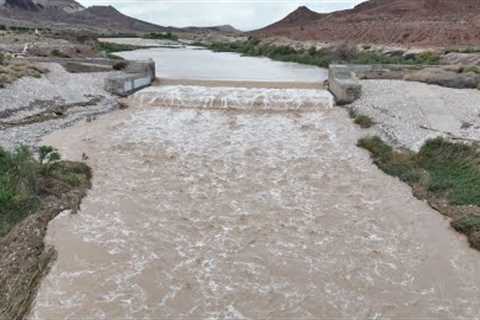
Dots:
pixel 214 213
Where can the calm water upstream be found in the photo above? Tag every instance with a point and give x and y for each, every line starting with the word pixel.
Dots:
pixel 201 64
pixel 203 212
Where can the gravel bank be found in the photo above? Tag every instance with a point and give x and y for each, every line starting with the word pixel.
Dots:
pixel 28 97
pixel 408 113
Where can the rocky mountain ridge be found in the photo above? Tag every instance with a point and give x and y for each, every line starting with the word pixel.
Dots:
pixel 404 22
pixel 70 14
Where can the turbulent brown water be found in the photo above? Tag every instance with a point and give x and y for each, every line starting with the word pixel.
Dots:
pixel 234 214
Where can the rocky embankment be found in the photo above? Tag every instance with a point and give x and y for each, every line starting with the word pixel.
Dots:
pixel 34 107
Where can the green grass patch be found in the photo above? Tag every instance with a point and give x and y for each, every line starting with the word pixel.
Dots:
pixel 362 120
pixel 110 47
pixel 319 57
pixel 398 164
pixel 26 178
pixel 452 169
pixel 467 225
pixel 445 170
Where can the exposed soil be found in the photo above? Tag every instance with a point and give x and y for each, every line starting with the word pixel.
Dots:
pixel 24 257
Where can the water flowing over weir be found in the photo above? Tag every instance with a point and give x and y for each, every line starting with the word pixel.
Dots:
pixel 204 208
pixel 230 98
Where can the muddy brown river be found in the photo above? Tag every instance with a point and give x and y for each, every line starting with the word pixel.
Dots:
pixel 234 214
pixel 260 207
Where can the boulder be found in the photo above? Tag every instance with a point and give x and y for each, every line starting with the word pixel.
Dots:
pixel 445 78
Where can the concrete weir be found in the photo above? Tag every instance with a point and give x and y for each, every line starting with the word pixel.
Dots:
pixel 344 84
pixel 137 75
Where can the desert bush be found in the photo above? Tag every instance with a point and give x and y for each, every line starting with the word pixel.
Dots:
pixel 24 180
pixel 161 36
pixel 59 54
pixel 323 57
pixel 362 120
pixel 121 65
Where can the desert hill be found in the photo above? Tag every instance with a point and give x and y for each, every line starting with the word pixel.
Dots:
pixel 407 22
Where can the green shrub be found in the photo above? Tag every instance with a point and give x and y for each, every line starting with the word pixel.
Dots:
pixel 109 47
pixel 322 58
pixel 362 120
pixel 445 169
pixel 398 164
pixel 2 59
pixel 468 224
pixel 452 168
pixel 59 54
pixel 121 65
pixel 161 36
pixel 24 180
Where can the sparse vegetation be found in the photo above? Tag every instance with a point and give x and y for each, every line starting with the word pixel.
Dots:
pixel 463 50
pixel 110 48
pixel 24 181
pixel 362 120
pixel 59 54
pixel 442 171
pixel 320 57
pixel 33 191
pixel 161 36
pixel 11 71
pixel 121 65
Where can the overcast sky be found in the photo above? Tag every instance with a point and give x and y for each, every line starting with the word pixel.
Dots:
pixel 242 14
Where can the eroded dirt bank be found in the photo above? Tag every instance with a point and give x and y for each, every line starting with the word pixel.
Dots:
pixel 238 215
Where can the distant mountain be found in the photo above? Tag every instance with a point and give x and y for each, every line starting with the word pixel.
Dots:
pixel 220 29
pixel 299 17
pixel 70 14
pixel 39 5
pixel 109 18
pixel 405 22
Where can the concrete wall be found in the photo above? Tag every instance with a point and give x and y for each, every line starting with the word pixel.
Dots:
pixel 136 75
pixel 343 84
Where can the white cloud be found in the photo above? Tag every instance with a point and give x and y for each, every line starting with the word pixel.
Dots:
pixel 242 14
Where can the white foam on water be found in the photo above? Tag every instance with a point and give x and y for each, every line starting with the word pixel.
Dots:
pixel 225 98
